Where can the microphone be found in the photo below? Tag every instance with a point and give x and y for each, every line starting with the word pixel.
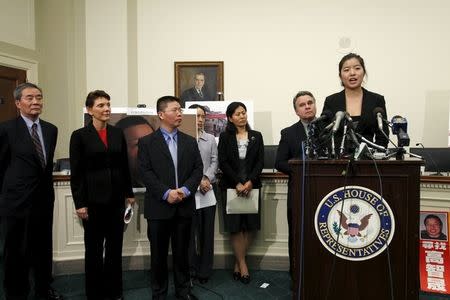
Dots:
pixel 399 127
pixel 338 119
pixel 351 129
pixel 329 126
pixel 381 148
pixel 349 121
pixel 378 112
pixel 438 172
pixel 325 116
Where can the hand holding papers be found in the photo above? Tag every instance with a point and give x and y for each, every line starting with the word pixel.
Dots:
pixel 205 200
pixel 237 204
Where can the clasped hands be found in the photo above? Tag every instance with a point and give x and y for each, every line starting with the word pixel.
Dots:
pixel 243 190
pixel 82 212
pixel 205 185
pixel 176 196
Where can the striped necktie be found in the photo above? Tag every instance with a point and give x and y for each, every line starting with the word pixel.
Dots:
pixel 37 144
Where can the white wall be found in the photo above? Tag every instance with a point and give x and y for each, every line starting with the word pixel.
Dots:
pixel 106 48
pixel 273 49
pixel 270 51
pixel 17 23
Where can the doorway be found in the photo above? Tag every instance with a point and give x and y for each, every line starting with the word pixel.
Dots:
pixel 10 78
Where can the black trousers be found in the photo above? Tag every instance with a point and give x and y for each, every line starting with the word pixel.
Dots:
pixel 160 232
pixel 27 246
pixel 201 249
pixel 103 239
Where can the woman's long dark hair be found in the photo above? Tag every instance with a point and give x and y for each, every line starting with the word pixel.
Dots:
pixel 231 128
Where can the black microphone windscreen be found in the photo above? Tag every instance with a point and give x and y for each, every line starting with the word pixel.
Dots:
pixel 377 110
pixel 328 114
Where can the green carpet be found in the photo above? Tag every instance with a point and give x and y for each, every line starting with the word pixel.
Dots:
pixel 220 286
pixel 137 286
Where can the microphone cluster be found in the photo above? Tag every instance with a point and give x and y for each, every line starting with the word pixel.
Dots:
pixel 342 122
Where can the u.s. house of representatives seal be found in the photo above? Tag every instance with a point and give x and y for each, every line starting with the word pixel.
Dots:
pixel 354 223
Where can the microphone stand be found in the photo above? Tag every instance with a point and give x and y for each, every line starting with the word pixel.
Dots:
pixel 378 147
pixel 344 135
pixel 333 151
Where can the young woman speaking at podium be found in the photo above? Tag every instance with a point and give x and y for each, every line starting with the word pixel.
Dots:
pixel 361 104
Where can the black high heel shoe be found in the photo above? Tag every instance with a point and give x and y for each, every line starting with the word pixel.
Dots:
pixel 245 279
pixel 202 280
pixel 236 276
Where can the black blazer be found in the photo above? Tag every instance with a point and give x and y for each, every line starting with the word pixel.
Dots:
pixel 24 183
pixel 99 175
pixel 290 148
pixel 367 126
pixel 229 159
pixel 158 174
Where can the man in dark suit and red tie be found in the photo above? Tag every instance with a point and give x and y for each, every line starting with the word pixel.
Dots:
pixel 27 145
pixel 171 169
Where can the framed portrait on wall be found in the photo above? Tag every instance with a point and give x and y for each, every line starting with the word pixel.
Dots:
pixel 199 81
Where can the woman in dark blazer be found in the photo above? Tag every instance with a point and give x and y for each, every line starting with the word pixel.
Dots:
pixel 358 102
pixel 241 159
pixel 101 184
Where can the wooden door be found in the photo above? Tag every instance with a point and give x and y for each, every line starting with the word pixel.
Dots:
pixel 10 78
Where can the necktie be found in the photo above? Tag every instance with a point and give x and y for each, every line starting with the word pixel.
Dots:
pixel 37 144
pixel 173 152
pixel 308 129
pixel 200 93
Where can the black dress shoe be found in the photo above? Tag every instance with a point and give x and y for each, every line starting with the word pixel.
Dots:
pixel 236 276
pixel 188 297
pixel 202 280
pixel 245 279
pixel 50 294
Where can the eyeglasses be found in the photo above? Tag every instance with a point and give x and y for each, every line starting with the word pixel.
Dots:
pixel 175 110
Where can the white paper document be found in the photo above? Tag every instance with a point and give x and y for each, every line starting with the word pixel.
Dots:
pixel 205 200
pixel 242 205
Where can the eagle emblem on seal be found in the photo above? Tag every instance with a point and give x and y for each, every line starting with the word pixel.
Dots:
pixel 353 229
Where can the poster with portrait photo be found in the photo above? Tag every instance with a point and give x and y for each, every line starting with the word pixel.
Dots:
pixel 434 252
pixel 433 225
pixel 216 119
pixel 199 81
pixel 139 122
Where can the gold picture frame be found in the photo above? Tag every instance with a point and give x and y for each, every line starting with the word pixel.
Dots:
pixel 187 73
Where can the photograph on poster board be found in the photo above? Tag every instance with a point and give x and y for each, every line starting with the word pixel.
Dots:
pixel 433 226
pixel 136 124
pixel 216 119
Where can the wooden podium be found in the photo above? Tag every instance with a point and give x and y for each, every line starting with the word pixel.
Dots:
pixel 323 275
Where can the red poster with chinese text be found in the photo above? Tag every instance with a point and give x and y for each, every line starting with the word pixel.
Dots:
pixel 434 258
